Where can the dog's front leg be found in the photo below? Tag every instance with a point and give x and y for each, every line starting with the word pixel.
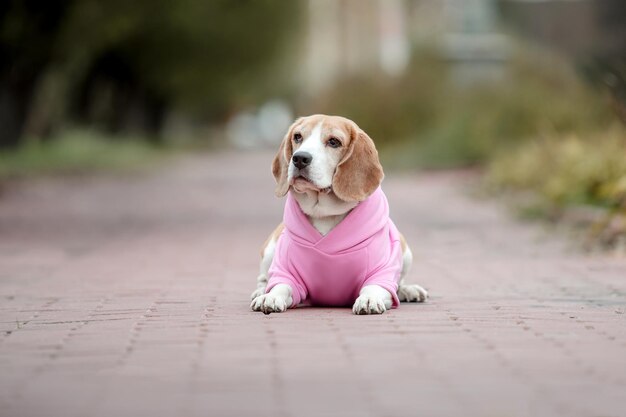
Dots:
pixel 276 301
pixel 373 299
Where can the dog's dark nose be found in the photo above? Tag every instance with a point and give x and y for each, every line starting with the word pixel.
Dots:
pixel 302 159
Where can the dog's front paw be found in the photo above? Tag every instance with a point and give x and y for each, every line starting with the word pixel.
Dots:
pixel 269 303
pixel 412 293
pixel 369 304
pixel 257 293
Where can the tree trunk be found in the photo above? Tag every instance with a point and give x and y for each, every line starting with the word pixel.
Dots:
pixel 14 103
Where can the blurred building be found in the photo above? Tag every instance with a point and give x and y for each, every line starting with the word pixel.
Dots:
pixel 571 27
pixel 472 41
pixel 353 36
pixel 347 37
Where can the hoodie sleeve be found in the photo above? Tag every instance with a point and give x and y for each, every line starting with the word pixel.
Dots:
pixel 280 273
pixel 387 273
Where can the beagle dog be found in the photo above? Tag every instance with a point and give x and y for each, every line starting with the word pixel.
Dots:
pixel 336 245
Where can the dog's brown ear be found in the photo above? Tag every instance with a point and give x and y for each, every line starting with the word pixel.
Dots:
pixel 359 173
pixel 280 164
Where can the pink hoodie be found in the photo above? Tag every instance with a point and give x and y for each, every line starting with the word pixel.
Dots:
pixel 330 270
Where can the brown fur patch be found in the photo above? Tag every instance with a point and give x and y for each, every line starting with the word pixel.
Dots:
pixel 403 243
pixel 359 173
pixel 273 236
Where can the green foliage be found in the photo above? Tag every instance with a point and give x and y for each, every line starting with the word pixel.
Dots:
pixel 559 173
pixel 80 151
pixel 198 53
pixel 123 65
pixel 567 170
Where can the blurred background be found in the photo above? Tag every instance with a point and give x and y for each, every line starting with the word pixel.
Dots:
pixel 532 93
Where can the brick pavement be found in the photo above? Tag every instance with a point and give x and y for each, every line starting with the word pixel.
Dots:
pixel 129 297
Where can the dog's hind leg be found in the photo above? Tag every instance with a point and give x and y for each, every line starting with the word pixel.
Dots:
pixel 267 255
pixel 409 292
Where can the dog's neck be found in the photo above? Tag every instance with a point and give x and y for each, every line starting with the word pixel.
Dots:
pixel 324 210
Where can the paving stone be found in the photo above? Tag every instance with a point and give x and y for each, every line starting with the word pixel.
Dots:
pixel 129 296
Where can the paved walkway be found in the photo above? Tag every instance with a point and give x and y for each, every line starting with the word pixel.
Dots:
pixel 129 297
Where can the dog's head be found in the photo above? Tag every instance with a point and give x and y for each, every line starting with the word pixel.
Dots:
pixel 327 154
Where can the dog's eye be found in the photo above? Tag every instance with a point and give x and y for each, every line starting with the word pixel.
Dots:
pixel 334 143
pixel 297 138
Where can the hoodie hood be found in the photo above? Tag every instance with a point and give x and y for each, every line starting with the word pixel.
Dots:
pixel 364 221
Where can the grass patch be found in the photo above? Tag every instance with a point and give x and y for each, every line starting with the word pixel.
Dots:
pixel 78 152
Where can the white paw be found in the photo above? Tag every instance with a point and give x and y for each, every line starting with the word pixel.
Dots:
pixel 258 292
pixel 369 304
pixel 412 293
pixel 269 303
